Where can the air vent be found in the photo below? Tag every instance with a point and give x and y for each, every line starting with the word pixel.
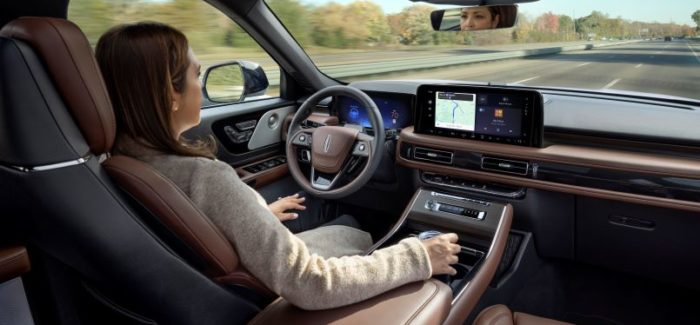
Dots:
pixel 504 165
pixel 438 156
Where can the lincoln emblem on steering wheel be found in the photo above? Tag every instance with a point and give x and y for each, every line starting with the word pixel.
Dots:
pixel 327 144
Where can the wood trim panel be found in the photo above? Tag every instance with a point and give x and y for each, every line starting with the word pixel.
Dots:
pixel 466 300
pixel 567 154
pixel 265 177
pixel 551 186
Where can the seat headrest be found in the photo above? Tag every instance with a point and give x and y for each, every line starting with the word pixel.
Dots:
pixel 71 63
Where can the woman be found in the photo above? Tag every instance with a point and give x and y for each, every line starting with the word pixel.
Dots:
pixel 486 17
pixel 153 80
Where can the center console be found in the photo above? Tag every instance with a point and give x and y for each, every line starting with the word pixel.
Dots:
pixel 482 227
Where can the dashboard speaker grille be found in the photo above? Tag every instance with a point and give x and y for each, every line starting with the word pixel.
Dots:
pixel 439 156
pixel 505 165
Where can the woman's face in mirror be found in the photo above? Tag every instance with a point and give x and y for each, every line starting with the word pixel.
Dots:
pixel 477 18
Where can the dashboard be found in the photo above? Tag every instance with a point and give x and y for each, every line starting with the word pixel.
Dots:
pixel 610 169
pixel 453 134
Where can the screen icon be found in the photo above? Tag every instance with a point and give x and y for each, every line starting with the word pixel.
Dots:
pixel 498 113
pixel 354 113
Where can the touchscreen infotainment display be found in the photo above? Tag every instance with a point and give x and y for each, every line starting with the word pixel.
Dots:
pixel 455 110
pixel 482 113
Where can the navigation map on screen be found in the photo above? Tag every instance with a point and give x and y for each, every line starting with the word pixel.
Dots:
pixel 455 110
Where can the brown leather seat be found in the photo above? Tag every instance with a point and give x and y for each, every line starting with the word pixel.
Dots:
pixel 71 63
pixel 502 315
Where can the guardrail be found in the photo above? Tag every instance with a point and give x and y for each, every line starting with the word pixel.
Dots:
pixel 373 68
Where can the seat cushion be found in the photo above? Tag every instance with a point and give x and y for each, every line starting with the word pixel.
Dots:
pixel 501 315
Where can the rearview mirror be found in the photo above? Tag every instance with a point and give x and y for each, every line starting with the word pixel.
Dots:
pixel 474 18
pixel 234 82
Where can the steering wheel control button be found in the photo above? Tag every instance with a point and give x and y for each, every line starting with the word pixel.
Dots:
pixel 302 139
pixel 361 149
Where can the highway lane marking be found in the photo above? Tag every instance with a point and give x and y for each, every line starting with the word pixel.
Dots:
pixel 657 52
pixel 691 49
pixel 612 83
pixel 638 65
pixel 583 64
pixel 526 80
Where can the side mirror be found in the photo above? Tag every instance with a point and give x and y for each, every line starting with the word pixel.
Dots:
pixel 474 18
pixel 234 82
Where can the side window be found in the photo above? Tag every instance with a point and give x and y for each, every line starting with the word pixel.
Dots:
pixel 213 36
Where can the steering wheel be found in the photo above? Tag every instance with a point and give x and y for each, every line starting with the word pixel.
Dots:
pixel 334 151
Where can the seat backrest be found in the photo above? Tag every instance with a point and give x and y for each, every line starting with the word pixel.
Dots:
pixel 55 117
pixel 177 214
pixel 85 94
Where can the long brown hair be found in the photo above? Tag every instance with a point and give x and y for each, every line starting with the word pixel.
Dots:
pixel 142 65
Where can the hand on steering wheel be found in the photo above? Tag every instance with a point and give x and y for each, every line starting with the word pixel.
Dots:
pixel 332 147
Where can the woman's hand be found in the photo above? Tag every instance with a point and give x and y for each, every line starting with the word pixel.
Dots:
pixel 442 251
pixel 292 202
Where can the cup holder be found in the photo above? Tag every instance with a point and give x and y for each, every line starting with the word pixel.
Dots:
pixel 468 260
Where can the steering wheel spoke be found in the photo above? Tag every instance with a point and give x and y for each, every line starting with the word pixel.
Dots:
pixel 324 181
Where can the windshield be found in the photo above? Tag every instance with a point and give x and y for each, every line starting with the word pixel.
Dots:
pixel 620 45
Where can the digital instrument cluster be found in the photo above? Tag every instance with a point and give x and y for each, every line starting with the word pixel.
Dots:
pixel 396 110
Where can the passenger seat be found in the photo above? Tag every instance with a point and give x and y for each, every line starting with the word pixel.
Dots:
pixel 501 315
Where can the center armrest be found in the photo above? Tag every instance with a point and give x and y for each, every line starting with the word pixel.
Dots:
pixel 426 302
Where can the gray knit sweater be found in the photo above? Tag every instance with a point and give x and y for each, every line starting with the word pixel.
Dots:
pixel 317 269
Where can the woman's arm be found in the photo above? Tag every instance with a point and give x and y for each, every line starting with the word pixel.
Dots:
pixel 283 262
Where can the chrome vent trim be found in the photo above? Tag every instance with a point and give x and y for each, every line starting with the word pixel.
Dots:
pixel 433 155
pixel 516 167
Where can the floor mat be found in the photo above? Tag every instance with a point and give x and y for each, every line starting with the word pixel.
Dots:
pixel 585 294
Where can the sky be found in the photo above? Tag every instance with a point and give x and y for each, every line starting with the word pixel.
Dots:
pixel 678 11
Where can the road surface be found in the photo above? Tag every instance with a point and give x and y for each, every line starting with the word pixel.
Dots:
pixel 670 68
